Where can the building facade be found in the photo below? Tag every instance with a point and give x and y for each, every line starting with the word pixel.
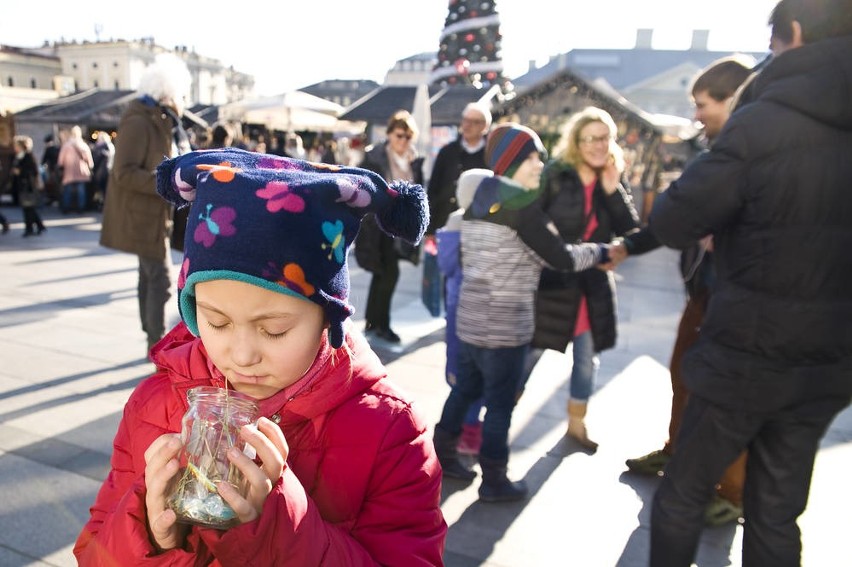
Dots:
pixel 119 64
pixel 28 78
pixel 32 76
pixel 655 80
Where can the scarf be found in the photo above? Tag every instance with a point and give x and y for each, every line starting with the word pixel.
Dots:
pixel 180 139
pixel 400 165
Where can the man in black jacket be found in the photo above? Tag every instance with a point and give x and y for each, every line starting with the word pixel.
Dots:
pixel 773 364
pixel 466 152
pixel 712 93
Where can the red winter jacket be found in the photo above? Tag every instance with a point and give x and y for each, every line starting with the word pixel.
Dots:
pixel 362 486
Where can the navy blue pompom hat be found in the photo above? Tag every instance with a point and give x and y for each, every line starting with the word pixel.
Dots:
pixel 282 224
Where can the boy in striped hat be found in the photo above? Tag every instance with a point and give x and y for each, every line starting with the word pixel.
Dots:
pixel 505 242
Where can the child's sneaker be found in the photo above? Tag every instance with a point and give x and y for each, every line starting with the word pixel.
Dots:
pixel 470 440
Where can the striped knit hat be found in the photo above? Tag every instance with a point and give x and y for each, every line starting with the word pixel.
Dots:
pixel 507 147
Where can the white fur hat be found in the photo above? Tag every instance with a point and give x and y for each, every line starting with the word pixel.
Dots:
pixel 166 78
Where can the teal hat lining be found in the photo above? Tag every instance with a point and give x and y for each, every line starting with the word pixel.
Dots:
pixel 186 296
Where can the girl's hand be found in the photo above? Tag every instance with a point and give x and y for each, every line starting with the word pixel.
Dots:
pixel 161 466
pixel 272 450
pixel 610 176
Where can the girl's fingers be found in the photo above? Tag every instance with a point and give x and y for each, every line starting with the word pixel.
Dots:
pixel 161 465
pixel 244 509
pixel 258 487
pixel 271 450
pixel 253 474
pixel 274 433
pixel 167 533
pixel 163 448
pixel 270 445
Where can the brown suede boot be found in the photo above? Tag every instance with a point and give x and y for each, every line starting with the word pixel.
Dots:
pixel 577 425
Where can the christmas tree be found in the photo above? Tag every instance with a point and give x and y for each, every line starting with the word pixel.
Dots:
pixel 469 52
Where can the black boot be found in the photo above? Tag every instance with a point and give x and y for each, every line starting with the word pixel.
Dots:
pixel 496 487
pixel 445 448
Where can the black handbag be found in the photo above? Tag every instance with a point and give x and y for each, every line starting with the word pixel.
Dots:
pixel 407 251
pixel 367 244
pixel 179 220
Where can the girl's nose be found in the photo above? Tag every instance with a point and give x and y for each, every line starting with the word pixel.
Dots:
pixel 244 350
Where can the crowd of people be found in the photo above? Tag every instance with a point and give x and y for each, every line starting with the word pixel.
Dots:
pixel 343 467
pixel 71 174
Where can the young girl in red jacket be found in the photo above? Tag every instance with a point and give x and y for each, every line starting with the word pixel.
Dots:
pixel 345 472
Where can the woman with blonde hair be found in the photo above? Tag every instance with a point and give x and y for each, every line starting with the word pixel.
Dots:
pixel 583 193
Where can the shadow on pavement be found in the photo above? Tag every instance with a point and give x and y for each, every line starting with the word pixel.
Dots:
pixel 482 525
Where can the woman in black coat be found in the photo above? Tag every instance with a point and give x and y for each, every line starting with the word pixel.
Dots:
pixel 393 159
pixel 25 173
pixel 584 196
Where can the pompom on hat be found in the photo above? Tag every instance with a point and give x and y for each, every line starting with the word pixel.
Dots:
pixel 282 224
pixel 508 145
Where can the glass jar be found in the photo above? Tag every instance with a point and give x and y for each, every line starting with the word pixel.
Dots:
pixel 209 428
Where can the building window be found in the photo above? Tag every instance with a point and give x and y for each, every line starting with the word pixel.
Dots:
pixel 96 85
pixel 115 63
pixel 95 65
pixel 116 86
pixel 73 65
pixel 33 84
pixel 10 82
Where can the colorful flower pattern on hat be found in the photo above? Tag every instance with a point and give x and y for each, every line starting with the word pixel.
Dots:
pixel 282 224
pixel 217 222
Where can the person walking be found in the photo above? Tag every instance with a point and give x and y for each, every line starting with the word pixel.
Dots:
pixel 75 159
pixel 448 240
pixel 773 364
pixel 52 173
pixel 583 194
pixel 25 174
pixel 504 244
pixel 712 92
pixel 103 155
pixel 466 152
pixel 394 159
pixel 136 220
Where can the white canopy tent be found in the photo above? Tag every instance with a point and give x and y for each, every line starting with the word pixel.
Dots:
pixel 290 111
pixel 422 114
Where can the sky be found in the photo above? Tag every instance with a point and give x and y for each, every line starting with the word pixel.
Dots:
pixel 288 44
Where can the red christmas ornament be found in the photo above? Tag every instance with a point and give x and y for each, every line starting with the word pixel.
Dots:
pixel 469 37
pixel 462 66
